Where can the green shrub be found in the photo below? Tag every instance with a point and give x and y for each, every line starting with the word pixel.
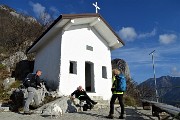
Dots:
pixel 16 84
pixel 3 93
pixel 4 96
pixel 3 72
pixel 2 66
pixel 128 101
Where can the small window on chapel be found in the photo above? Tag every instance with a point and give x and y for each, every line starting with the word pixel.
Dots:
pixel 73 67
pixel 104 72
pixel 89 48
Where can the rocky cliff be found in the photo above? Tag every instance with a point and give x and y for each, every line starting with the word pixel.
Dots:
pixel 122 65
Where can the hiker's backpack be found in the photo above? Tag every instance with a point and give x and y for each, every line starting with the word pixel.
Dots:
pixel 29 80
pixel 121 83
pixel 17 98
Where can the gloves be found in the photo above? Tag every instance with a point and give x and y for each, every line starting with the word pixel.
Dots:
pixel 117 77
pixel 112 89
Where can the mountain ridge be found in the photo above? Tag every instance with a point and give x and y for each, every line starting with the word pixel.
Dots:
pixel 168 88
pixel 18 15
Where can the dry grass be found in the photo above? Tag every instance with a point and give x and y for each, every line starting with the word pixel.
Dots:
pixel 4 96
pixel 128 101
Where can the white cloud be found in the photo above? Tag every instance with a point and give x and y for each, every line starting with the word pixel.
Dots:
pixel 175 72
pixel 138 55
pixel 140 62
pixel 53 9
pixel 134 55
pixel 128 33
pixel 38 9
pixel 167 38
pixel 54 12
pixel 150 34
pixel 41 12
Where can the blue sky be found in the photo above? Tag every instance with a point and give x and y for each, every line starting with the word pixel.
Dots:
pixel 144 26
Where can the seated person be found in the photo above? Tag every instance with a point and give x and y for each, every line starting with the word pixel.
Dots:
pixel 81 95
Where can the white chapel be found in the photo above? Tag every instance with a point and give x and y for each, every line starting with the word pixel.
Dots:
pixel 76 50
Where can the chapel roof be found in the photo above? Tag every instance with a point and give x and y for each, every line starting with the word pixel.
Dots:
pixel 93 19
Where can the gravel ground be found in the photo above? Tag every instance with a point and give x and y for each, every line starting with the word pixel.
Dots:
pixel 131 114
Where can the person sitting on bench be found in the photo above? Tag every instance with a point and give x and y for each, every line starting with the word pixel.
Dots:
pixel 81 94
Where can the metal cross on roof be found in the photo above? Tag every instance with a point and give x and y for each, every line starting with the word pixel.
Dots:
pixel 96 6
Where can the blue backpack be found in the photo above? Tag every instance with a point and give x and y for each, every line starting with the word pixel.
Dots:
pixel 121 83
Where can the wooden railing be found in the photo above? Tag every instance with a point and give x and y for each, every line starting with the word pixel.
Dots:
pixel 161 107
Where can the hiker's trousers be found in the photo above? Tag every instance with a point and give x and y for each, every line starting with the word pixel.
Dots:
pixel 120 99
pixel 32 95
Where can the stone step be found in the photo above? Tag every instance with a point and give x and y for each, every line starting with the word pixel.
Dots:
pixel 96 97
pixel 103 101
pixel 4 108
pixel 100 106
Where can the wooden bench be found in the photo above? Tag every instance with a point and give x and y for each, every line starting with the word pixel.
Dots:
pixel 161 107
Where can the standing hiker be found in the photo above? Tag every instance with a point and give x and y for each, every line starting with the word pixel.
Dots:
pixel 32 82
pixel 117 89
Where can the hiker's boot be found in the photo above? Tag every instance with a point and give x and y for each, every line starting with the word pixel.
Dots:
pixel 122 116
pixel 37 106
pixel 91 106
pixel 27 113
pixel 110 116
pixel 94 103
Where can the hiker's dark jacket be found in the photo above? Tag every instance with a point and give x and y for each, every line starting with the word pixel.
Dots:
pixel 35 80
pixel 38 81
pixel 79 93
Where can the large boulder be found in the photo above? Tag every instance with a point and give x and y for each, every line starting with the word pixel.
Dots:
pixel 8 82
pixel 65 103
pixel 19 96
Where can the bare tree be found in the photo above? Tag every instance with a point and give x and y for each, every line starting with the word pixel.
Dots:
pixel 146 92
pixel 45 19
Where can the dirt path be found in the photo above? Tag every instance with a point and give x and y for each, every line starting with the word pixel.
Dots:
pixel 131 114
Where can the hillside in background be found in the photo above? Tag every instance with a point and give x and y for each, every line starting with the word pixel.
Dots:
pixel 168 89
pixel 17 31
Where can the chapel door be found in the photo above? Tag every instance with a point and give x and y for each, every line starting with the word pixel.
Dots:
pixel 89 77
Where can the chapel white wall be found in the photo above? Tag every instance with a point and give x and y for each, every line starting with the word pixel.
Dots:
pixel 73 48
pixel 48 60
